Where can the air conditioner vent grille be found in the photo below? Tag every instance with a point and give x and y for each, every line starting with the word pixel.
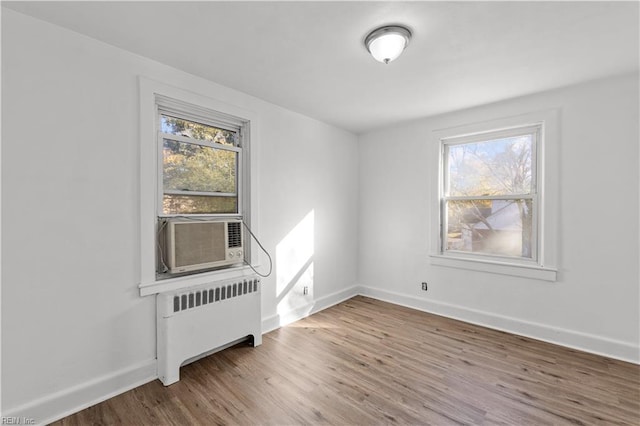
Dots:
pixel 234 233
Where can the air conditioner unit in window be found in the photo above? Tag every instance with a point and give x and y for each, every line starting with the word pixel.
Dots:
pixel 201 244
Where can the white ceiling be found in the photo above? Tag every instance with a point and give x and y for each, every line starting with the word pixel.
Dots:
pixel 309 56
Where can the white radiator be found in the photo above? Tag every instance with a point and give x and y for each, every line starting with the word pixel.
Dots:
pixel 200 320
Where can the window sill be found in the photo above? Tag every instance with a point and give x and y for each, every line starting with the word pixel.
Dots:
pixel 172 284
pixel 524 271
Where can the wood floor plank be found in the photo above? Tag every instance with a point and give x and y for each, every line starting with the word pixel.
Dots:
pixel 367 362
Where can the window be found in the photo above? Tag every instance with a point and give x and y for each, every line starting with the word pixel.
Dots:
pixel 200 166
pixel 496 196
pixel 489 194
pixel 195 161
pixel 199 169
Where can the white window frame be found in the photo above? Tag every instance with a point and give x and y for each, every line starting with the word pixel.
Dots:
pixel 174 108
pixel 543 265
pixel 446 143
pixel 153 93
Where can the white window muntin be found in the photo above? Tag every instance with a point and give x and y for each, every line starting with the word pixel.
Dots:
pixel 535 131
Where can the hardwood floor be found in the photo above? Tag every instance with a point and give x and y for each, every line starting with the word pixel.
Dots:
pixel 366 362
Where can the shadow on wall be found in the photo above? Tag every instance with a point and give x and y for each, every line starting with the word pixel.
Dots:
pixel 294 269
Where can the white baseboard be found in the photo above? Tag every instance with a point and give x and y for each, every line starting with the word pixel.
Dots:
pixel 278 320
pixel 573 339
pixel 68 401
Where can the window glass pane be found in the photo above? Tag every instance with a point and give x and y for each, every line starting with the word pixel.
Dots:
pixel 198 204
pixel 498 227
pixel 191 167
pixel 190 129
pixel 493 167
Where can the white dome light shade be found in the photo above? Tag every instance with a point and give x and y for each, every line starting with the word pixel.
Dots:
pixel 387 43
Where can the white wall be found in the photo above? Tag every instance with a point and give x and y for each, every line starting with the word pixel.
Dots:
pixel 74 328
pixel 594 305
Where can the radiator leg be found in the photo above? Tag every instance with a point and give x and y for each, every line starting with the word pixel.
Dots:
pixel 255 340
pixel 167 373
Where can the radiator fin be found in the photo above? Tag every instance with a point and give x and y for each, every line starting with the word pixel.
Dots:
pixel 195 299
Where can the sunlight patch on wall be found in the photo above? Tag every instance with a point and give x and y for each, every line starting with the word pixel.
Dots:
pixel 294 266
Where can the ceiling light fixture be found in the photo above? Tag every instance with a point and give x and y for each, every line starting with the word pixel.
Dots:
pixel 387 43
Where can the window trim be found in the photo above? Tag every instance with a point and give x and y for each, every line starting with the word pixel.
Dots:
pixel 544 267
pixel 150 91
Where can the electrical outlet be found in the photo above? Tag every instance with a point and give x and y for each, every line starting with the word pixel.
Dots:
pixel 424 285
pixel 305 290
